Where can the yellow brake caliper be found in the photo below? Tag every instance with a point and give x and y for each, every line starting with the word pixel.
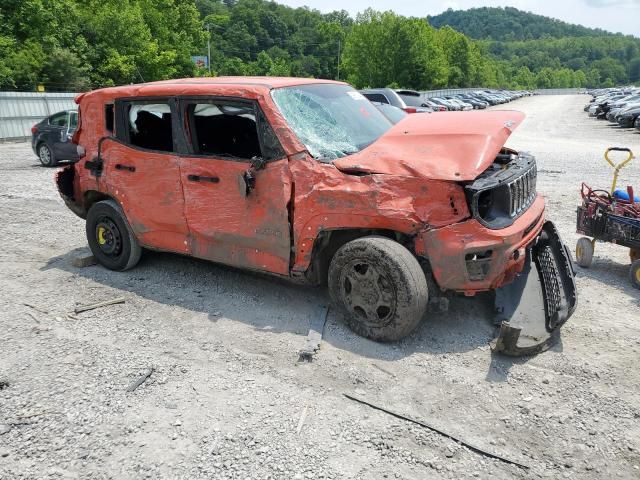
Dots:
pixel 101 239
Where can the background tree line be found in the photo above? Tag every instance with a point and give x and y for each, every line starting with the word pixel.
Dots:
pixel 83 44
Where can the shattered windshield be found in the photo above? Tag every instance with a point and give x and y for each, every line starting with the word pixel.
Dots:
pixel 331 120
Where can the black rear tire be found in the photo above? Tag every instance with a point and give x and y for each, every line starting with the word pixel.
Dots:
pixel 110 237
pixel 380 287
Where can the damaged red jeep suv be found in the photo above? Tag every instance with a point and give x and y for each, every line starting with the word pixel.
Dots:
pixel 306 179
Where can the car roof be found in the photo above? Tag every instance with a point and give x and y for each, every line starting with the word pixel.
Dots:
pixel 200 85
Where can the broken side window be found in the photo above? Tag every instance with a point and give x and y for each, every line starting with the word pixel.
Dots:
pixel 270 144
pixel 150 126
pixel 223 130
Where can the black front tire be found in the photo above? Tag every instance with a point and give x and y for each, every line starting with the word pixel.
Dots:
pixel 45 155
pixel 110 237
pixel 379 286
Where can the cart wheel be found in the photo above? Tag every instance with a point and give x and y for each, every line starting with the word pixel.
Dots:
pixel 634 273
pixel 584 252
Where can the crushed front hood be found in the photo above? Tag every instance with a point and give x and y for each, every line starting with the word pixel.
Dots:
pixel 439 146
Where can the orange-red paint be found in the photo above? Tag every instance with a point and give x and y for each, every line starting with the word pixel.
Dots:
pixel 405 182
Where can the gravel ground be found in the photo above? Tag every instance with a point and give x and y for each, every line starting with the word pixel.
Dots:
pixel 227 398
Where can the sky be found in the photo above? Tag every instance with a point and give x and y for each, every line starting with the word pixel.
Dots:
pixel 612 15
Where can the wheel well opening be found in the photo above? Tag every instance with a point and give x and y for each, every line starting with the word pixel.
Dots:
pixel 93 196
pixel 329 242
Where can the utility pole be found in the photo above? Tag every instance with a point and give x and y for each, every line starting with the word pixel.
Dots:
pixel 207 26
pixel 339 42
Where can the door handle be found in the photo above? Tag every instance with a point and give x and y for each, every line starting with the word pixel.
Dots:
pixel 120 166
pixel 200 178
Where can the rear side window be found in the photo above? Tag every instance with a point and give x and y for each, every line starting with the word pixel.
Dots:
pixel 59 119
pixel 223 129
pixel 376 97
pixel 147 125
pixel 412 100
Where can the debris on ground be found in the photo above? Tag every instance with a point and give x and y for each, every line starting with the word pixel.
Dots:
pixel 92 306
pixel 139 381
pixel 315 336
pixel 84 261
pixel 38 309
pixel 436 430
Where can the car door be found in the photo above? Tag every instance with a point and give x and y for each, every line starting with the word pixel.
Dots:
pixel 237 185
pixel 56 127
pixel 141 170
pixel 65 149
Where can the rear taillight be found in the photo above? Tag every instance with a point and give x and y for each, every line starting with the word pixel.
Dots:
pixel 34 129
pixel 410 109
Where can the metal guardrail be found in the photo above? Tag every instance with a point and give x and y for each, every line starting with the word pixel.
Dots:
pixel 538 91
pixel 19 111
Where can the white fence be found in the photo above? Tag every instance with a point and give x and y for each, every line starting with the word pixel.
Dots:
pixel 19 111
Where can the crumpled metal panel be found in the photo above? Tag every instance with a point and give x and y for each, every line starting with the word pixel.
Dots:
pixel 328 199
pixel 454 146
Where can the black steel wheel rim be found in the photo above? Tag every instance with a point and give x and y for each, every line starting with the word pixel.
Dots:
pixel 108 237
pixel 368 292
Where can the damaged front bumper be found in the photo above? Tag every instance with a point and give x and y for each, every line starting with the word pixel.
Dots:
pixel 542 297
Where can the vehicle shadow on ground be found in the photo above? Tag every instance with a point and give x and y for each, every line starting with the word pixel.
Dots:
pixel 276 305
pixel 611 273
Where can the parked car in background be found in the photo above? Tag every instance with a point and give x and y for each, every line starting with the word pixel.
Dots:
pixel 443 103
pixel 394 114
pixel 626 117
pixel 463 105
pixel 390 96
pixel 476 103
pixel 434 106
pixel 415 100
pixel 51 138
pixel 619 105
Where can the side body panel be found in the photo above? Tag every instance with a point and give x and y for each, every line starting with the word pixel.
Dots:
pixel 150 194
pixel 228 226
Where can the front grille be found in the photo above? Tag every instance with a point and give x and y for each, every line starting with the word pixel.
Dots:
pixel 522 192
pixel 504 191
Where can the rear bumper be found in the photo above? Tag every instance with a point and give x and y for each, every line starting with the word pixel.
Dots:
pixel 468 257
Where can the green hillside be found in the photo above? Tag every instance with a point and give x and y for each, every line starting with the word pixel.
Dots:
pixel 541 47
pixel 508 23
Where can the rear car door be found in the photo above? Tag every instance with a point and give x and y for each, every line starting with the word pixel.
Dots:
pixel 237 185
pixel 141 170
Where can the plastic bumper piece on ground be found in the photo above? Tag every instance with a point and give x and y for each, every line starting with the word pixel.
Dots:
pixel 533 307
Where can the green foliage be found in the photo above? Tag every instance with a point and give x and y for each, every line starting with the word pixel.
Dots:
pixel 82 44
pixel 384 47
